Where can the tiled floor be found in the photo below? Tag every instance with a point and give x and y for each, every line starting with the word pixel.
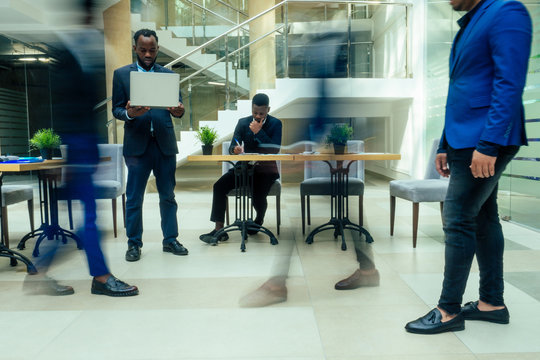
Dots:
pixel 188 306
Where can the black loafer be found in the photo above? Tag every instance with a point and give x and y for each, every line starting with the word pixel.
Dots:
pixel 470 312
pixel 431 323
pixel 133 253
pixel 211 239
pixel 176 248
pixel 113 287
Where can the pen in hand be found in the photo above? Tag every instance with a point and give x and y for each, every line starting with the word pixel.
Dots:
pixel 240 146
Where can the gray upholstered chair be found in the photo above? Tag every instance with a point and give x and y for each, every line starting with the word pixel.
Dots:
pixel 275 190
pixel 109 180
pixel 317 182
pixel 432 188
pixel 12 194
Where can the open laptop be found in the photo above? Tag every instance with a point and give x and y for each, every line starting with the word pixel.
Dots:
pixel 156 90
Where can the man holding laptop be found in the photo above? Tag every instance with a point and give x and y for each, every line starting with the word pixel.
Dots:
pixel 149 140
pixel 258 133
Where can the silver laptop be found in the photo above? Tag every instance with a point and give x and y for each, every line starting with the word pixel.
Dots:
pixel 156 90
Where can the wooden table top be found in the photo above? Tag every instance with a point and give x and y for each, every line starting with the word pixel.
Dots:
pixel 295 157
pixel 47 164
pixel 44 165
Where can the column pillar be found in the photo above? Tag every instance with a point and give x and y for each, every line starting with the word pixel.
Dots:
pixel 262 55
pixel 118 52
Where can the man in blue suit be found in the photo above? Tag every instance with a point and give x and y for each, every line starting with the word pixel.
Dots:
pixel 484 128
pixel 149 145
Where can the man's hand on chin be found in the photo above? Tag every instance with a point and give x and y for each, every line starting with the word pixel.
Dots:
pixel 482 166
pixel 255 126
pixel 177 111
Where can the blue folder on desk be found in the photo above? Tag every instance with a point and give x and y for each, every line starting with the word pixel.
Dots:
pixel 24 160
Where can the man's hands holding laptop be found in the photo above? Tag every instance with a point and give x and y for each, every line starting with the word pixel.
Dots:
pixel 134 111
pixel 177 111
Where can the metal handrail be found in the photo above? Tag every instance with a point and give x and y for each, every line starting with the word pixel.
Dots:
pixel 230 7
pixel 217 38
pixel 211 12
pixel 237 27
pixel 231 53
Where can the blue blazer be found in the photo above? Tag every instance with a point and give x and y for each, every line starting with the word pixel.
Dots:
pixel 137 131
pixel 488 69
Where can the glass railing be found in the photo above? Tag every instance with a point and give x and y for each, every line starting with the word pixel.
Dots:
pixel 195 20
pixel 292 37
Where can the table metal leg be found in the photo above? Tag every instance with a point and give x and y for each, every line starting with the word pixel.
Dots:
pixel 243 201
pixel 49 228
pixel 339 213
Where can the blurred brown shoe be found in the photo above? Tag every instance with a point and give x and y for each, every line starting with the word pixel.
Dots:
pixel 357 279
pixel 44 285
pixel 267 294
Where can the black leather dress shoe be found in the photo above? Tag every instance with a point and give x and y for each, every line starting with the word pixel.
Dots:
pixel 211 239
pixel 133 253
pixel 254 231
pixel 470 312
pixel 431 323
pixel 113 287
pixel 176 248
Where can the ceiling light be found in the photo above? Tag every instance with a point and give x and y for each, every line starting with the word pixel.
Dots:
pixel 28 59
pixel 216 83
pixel 43 59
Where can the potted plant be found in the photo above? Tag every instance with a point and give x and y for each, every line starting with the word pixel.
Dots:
pixel 338 136
pixel 45 140
pixel 207 136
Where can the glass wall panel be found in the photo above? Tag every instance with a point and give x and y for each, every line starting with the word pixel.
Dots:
pixel 519 188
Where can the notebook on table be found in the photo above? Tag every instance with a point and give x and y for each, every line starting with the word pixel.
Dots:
pixel 155 90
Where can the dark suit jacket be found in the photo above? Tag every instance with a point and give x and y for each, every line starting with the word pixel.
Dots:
pixel 488 69
pixel 137 131
pixel 266 141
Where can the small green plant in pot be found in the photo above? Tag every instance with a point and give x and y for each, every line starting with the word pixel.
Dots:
pixel 45 140
pixel 207 136
pixel 338 136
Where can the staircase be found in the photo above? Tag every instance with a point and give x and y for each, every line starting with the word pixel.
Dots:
pixel 176 47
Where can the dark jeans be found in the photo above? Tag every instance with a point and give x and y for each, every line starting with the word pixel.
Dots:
pixel 262 182
pixel 164 168
pixel 471 225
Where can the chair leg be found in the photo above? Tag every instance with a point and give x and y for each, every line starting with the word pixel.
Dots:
pixel 114 217
pixel 416 207
pixel 5 226
pixel 392 213
pixel 303 211
pixel 227 211
pixel 361 210
pixel 308 212
pixel 31 213
pixel 70 214
pixel 278 211
pixel 124 208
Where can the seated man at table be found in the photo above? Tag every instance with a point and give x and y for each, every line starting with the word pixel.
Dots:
pixel 258 133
